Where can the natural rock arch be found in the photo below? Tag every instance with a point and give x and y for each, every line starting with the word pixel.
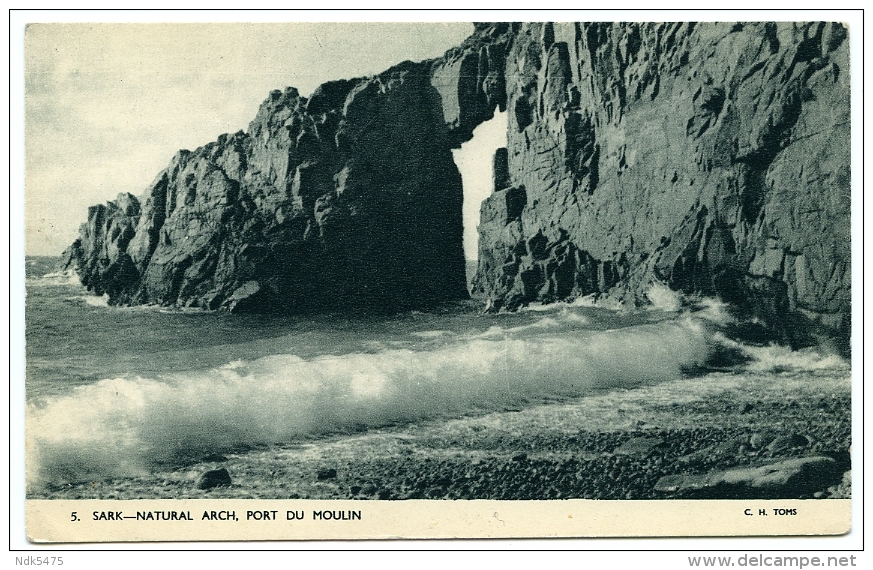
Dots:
pixel 710 157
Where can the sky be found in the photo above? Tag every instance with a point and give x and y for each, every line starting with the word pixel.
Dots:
pixel 107 105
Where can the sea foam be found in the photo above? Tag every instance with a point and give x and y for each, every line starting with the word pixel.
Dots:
pixel 129 426
pixel 55 279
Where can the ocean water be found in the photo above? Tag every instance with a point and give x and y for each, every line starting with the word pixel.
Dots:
pixel 119 391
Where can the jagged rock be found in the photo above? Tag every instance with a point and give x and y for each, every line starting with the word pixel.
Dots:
pixel 709 156
pixel 788 478
pixel 713 157
pixel 214 478
pixel 349 199
pixel 100 254
pixel 500 170
pixel 470 80
pixel 249 296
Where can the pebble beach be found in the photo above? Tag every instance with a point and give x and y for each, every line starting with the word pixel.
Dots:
pixel 717 435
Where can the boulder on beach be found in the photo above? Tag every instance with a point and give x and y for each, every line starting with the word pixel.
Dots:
pixel 325 474
pixel 788 478
pixel 788 442
pixel 214 478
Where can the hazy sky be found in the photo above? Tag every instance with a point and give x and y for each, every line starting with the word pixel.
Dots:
pixel 107 105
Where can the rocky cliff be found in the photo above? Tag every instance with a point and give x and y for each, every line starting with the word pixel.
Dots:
pixel 713 158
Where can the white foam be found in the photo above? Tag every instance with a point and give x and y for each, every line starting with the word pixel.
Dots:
pixel 566 319
pixel 713 310
pixel 433 334
pixel 125 426
pixel 663 298
pixel 537 307
pixel 54 279
pixel 92 300
pixel 599 302
pixel 591 301
pixel 783 359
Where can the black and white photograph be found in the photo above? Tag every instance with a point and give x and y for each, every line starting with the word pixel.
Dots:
pixel 607 261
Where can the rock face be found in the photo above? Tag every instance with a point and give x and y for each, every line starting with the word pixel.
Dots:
pixel 348 198
pixel 710 157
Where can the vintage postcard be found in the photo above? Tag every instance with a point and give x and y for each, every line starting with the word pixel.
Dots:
pixel 295 281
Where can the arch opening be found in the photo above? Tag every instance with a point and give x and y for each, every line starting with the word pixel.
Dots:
pixel 474 160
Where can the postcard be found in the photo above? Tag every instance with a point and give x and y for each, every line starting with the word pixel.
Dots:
pixel 297 281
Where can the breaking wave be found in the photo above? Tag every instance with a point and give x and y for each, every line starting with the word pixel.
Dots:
pixel 91 300
pixel 128 426
pixel 777 359
pixel 55 279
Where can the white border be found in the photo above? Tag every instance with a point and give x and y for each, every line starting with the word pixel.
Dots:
pixel 620 551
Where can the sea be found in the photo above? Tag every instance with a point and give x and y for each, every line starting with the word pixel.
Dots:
pixel 115 391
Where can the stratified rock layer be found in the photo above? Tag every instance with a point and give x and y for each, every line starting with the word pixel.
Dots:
pixel 710 157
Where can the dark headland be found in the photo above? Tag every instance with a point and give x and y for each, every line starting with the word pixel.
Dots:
pixel 712 157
